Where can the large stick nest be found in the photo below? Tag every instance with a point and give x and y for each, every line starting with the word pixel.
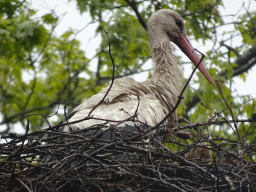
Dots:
pixel 57 161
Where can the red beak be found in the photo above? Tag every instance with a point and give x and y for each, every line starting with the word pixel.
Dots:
pixel 187 48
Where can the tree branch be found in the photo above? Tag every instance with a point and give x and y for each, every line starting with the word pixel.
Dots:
pixel 244 62
pixel 133 5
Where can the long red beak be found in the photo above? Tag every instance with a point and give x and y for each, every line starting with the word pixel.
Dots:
pixel 187 48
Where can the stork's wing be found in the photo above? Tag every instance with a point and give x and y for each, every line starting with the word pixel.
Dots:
pixel 125 98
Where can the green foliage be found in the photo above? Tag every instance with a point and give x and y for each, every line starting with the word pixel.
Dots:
pixel 37 70
pixel 128 40
pixel 49 18
pixel 247 29
pixel 96 6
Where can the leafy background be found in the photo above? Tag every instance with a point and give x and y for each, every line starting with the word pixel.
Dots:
pixel 41 70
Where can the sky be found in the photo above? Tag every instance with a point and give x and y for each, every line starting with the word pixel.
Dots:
pixel 71 18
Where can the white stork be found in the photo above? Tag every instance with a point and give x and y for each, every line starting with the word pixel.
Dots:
pixel 156 96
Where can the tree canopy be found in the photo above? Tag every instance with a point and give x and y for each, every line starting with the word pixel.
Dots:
pixel 40 71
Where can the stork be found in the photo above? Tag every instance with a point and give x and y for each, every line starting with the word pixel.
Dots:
pixel 151 99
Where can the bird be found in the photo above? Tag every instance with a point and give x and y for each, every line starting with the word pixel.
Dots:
pixel 152 99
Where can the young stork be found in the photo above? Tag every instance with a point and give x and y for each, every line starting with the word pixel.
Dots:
pixel 151 99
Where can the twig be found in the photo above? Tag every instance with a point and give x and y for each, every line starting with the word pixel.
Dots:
pixel 231 184
pixel 24 138
pixel 175 156
pixel 65 114
pixel 23 184
pixel 217 173
pixel 230 109
pixel 36 114
pixel 180 97
pixel 102 100
pixel 113 77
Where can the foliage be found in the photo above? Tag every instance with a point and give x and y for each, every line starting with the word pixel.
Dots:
pixel 39 70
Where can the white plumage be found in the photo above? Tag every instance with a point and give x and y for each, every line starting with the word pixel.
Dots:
pixel 155 97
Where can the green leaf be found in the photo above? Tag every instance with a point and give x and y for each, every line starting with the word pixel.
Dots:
pixel 50 18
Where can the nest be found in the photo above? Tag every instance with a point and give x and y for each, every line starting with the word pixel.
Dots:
pixel 50 160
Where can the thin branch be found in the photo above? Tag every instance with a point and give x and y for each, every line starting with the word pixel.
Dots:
pixel 24 185
pixel 231 111
pixel 133 5
pixel 113 77
pixel 180 97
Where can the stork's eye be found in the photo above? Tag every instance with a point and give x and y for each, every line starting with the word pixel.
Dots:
pixel 179 24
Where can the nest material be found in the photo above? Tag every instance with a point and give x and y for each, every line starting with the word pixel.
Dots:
pixel 56 161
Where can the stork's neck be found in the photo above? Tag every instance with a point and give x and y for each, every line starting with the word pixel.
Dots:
pixel 166 70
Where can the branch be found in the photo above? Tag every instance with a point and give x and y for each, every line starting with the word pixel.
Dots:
pixel 231 111
pixel 101 101
pixel 113 77
pixel 180 97
pixel 22 113
pixel 10 14
pixel 133 5
pixel 244 62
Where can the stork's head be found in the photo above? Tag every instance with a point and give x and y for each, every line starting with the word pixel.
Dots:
pixel 166 24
